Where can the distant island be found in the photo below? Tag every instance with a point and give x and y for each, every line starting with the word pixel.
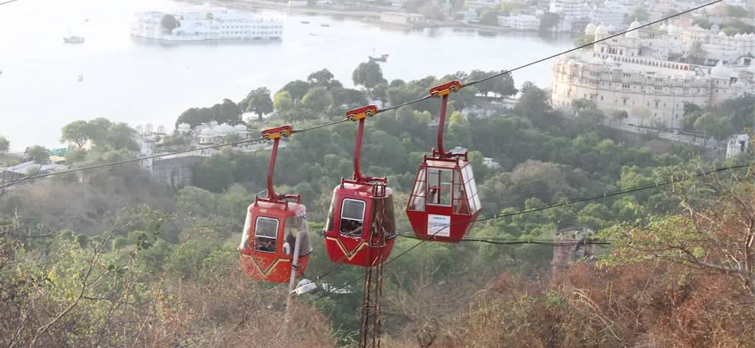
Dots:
pixel 205 26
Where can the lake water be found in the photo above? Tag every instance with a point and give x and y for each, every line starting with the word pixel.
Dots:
pixel 137 82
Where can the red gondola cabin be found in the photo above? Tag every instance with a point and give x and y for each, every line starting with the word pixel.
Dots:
pixel 268 241
pixel 444 202
pixel 361 227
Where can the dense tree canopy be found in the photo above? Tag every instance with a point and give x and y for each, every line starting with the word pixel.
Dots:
pixel 258 101
pixel 368 74
pixel 225 112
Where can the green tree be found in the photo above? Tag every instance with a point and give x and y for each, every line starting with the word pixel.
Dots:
pixel 549 20
pixel 40 154
pixel 169 23
pixel 585 40
pixel 259 102
pixel 318 99
pixel 97 130
pixel 534 105
pixel 4 147
pixel 283 104
pixel 75 155
pixel 431 11
pixel 348 97
pixel 215 174
pixel 696 53
pixel 714 125
pixel 77 132
pixel 704 23
pixel 368 74
pixel 489 17
pixel 297 89
pixel 323 78
pixel 121 136
pixel 639 13
pixel 736 11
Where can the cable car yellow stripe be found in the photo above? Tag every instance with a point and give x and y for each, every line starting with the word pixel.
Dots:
pixel 265 273
pixel 349 254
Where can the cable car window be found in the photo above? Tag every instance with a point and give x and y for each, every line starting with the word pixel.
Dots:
pixel 418 193
pixel 352 216
pixel 295 224
pixel 266 234
pixel 329 223
pixel 471 187
pixel 245 234
pixel 439 186
pixel 460 202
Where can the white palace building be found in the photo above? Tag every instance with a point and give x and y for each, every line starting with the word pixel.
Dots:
pixel 634 73
pixel 205 26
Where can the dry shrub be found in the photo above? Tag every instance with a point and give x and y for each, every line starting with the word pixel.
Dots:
pixel 642 305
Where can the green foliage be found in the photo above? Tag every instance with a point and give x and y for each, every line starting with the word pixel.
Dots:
pixel 40 154
pixel 368 74
pixel 258 101
pixel 489 17
pixel 639 13
pixel 225 112
pixel 323 78
pixel 76 132
pixel 549 20
pixel 534 104
pixel 318 99
pixel 284 105
pixel 4 144
pixel 169 23
pixel 714 125
pixel 297 89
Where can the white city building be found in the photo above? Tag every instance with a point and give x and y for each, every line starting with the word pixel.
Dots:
pixel 402 18
pixel 627 73
pixel 206 26
pixel 519 22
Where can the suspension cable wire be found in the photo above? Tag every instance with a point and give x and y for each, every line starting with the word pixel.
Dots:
pixel 324 125
pixel 470 83
pixel 7 2
pixel 138 159
pixel 415 101
pixel 5 186
pixel 546 207
pixel 126 161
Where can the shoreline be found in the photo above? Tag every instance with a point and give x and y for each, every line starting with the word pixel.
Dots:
pixel 367 16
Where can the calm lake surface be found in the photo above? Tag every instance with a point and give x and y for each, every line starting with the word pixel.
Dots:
pixel 137 82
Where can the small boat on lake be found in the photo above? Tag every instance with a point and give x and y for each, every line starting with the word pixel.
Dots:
pixel 73 39
pixel 382 58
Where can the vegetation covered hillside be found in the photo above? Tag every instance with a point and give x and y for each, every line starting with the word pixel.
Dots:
pixel 116 259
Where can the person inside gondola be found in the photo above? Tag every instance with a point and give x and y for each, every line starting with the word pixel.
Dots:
pixel 351 227
pixel 290 244
pixel 266 245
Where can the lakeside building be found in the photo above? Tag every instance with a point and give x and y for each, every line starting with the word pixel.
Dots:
pixel 520 22
pixel 402 18
pixel 205 26
pixel 634 73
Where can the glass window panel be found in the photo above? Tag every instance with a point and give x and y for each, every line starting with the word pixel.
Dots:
pixel 439 186
pixel 352 217
pixel 266 227
pixel 294 225
pixel 353 209
pixel 329 223
pixel 245 234
pixel 266 234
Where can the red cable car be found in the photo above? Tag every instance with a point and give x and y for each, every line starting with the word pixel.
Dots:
pixel 361 227
pixel 272 224
pixel 444 203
